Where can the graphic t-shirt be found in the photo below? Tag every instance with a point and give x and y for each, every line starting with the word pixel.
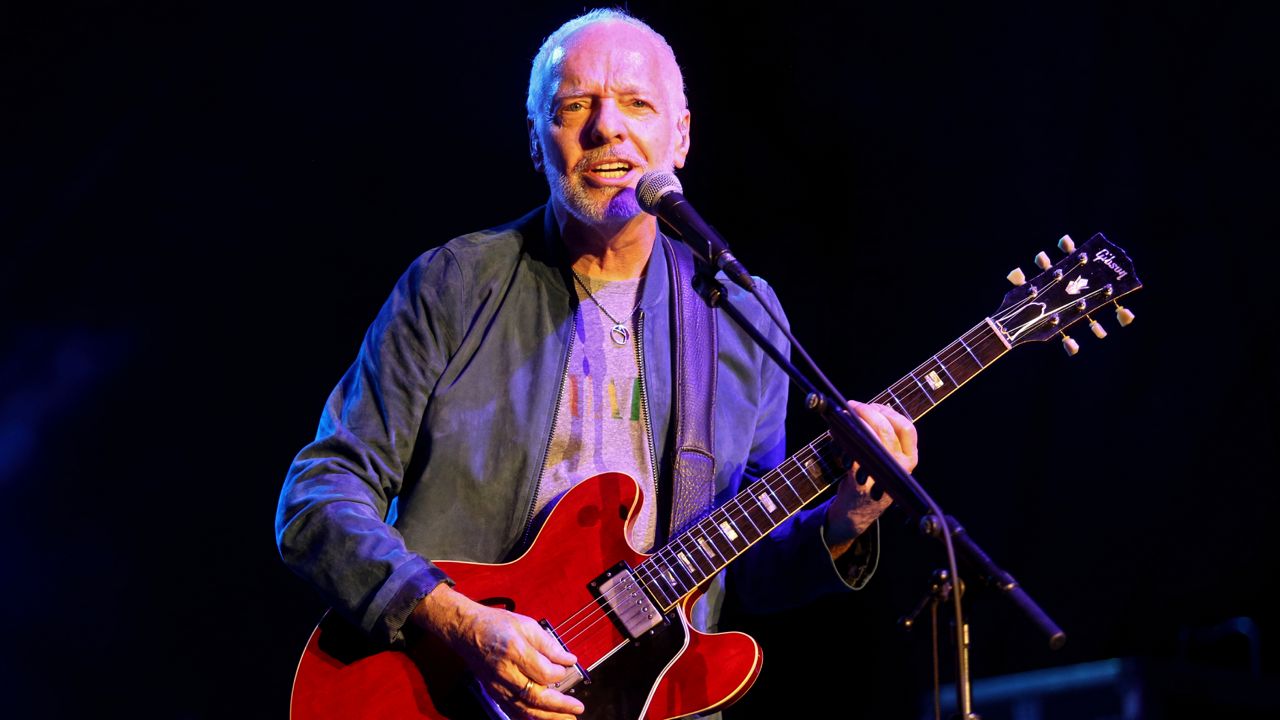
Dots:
pixel 602 424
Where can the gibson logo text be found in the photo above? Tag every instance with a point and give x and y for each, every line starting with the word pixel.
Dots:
pixel 1108 258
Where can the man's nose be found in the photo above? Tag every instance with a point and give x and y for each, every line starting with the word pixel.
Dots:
pixel 608 125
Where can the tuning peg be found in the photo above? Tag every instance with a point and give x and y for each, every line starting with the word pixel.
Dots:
pixel 1123 315
pixel 1098 331
pixel 1066 244
pixel 1043 262
pixel 1017 277
pixel 1071 346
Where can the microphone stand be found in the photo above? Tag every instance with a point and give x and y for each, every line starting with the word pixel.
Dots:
pixel 859 443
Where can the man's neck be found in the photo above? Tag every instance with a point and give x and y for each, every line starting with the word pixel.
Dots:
pixel 616 251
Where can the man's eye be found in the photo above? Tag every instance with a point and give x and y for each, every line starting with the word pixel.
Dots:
pixel 574 106
pixel 640 103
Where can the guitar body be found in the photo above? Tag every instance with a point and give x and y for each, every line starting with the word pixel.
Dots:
pixel 671 671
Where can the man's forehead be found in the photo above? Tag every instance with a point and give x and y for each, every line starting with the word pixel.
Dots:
pixel 612 52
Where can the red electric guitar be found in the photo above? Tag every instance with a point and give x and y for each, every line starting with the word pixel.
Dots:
pixel 625 614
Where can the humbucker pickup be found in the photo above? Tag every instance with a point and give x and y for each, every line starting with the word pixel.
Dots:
pixel 626 602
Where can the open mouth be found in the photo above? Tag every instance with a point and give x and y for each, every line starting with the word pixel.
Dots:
pixel 611 170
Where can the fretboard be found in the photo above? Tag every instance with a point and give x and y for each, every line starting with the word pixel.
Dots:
pixel 711 543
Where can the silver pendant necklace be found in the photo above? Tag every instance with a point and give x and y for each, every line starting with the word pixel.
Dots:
pixel 619 333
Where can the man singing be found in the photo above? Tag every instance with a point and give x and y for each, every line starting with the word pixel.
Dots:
pixel 511 364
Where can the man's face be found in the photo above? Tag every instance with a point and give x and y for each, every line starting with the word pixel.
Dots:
pixel 615 112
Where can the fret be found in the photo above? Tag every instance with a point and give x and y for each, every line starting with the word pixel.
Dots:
pixel 786 482
pixel 767 500
pixel 792 478
pixel 790 498
pixel 703 566
pixel 709 564
pixel 966 359
pixel 704 535
pixel 716 537
pixel 950 377
pixel 707 548
pixel 910 410
pixel 813 473
pixel 927 395
pixel 901 408
pixel 759 521
pixel 655 584
pixel 730 531
pixel 746 513
pixel 683 557
pixel 685 561
pixel 679 578
pixel 961 367
pixel 938 385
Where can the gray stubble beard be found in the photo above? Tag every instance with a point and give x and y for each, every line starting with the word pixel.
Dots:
pixel 583 204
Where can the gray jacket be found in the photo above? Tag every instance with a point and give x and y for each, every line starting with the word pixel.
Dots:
pixel 432 444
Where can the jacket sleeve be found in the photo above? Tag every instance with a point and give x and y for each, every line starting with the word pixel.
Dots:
pixel 791 566
pixel 331 521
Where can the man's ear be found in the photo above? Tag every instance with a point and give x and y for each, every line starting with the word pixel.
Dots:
pixel 682 144
pixel 535 146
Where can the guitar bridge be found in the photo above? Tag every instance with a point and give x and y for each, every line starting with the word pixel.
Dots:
pixel 626 602
pixel 577 673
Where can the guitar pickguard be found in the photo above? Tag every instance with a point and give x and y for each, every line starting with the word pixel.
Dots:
pixel 621 683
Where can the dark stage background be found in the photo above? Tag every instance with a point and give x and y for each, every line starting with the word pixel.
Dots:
pixel 204 205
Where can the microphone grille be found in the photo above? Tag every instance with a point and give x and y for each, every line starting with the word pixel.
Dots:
pixel 653 186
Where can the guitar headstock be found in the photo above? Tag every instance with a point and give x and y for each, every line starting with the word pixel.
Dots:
pixel 1076 288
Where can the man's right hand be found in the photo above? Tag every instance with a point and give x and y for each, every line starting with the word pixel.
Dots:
pixel 511 655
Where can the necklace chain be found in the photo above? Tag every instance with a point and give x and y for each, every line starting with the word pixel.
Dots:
pixel 619 333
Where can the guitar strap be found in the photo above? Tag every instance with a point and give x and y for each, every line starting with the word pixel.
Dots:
pixel 695 358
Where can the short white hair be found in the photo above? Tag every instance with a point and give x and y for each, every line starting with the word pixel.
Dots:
pixel 536 102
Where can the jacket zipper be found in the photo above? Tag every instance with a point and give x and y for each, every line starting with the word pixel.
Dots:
pixel 555 418
pixel 644 412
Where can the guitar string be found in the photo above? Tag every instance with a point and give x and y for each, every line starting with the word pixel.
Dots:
pixel 908 387
pixel 906 391
pixel 643 573
pixel 912 391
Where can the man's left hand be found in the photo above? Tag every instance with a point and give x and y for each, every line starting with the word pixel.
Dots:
pixel 853 509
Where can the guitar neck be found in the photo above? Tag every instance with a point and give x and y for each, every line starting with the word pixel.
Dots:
pixel 695 555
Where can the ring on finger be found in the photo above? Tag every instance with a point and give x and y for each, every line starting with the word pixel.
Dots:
pixel 527 687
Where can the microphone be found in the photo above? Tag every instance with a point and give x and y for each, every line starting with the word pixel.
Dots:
pixel 660 194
